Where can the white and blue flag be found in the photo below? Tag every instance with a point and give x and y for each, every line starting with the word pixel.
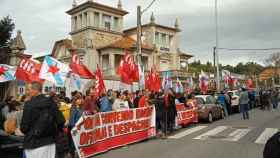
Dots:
pixel 54 71
pixel 7 73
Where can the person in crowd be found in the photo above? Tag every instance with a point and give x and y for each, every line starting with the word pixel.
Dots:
pixel 222 102
pixel 266 100
pixel 159 106
pixel 128 99
pixel 138 95
pixel 2 118
pixel 90 105
pixel 39 124
pixel 143 102
pixel 120 103
pixel 274 99
pixel 75 114
pixel 228 103
pixel 5 109
pixel 61 137
pixel 10 124
pixel 110 96
pixel 180 99
pixel 170 111
pixel 244 103
pixel 251 99
pixel 262 98
pixel 62 96
pixel 105 104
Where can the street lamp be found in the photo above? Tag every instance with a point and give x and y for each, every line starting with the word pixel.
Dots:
pixel 139 35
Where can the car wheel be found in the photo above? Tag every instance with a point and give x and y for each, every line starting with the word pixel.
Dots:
pixel 210 117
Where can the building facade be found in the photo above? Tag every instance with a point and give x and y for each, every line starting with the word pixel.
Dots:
pixel 98 35
pixel 11 55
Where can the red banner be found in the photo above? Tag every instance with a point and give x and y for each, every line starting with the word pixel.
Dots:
pixel 186 114
pixel 28 71
pixel 101 132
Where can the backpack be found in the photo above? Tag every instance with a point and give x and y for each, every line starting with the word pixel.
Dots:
pixel 271 149
pixel 10 125
pixel 46 124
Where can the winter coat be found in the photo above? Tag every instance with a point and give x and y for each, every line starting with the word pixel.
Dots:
pixel 75 114
pixel 244 97
pixel 31 114
pixel 105 104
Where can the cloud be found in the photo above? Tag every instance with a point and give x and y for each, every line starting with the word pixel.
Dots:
pixel 242 24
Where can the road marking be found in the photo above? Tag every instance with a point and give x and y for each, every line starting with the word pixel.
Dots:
pixel 266 134
pixel 237 134
pixel 187 132
pixel 212 132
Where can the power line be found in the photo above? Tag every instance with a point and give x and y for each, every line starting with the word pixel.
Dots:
pixel 144 10
pixel 246 49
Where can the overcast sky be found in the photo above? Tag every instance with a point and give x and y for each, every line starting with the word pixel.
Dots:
pixel 242 24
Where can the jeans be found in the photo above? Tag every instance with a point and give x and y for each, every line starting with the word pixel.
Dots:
pixel 275 104
pixel 225 110
pixel 244 109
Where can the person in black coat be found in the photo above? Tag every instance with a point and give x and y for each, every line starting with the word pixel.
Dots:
pixel 39 124
pixel 159 106
pixel 170 110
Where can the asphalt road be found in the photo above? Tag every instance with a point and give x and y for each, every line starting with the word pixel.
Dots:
pixel 228 138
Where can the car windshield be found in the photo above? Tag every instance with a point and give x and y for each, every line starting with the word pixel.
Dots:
pixel 210 100
pixel 200 101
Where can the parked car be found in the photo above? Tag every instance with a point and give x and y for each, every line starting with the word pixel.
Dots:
pixel 208 108
pixel 235 95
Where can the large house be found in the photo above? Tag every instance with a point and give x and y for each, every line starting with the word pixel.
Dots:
pixel 98 36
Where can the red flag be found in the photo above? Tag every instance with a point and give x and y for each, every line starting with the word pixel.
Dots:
pixel 128 70
pixel 28 71
pixel 250 84
pixel 78 68
pixel 100 86
pixel 152 81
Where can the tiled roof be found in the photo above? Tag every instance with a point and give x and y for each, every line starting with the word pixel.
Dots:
pixel 267 73
pixel 126 43
pixel 66 42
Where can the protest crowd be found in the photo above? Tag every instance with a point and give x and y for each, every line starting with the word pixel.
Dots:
pixel 18 116
pixel 48 123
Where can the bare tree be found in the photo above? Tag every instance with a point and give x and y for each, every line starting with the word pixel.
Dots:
pixel 274 61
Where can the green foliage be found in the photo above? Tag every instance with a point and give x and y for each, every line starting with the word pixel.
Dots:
pixel 249 68
pixel 6 29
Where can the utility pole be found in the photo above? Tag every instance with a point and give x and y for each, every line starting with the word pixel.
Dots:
pixel 217 46
pixel 214 59
pixel 139 34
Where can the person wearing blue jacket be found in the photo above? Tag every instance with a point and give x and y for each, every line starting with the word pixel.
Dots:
pixel 105 104
pixel 222 102
pixel 75 114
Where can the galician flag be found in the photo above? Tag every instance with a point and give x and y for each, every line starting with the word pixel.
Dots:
pixel 179 86
pixel 54 71
pixel 166 81
pixel 7 73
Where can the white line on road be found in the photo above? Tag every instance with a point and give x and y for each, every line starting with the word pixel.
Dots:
pixel 266 134
pixel 187 132
pixel 211 132
pixel 237 134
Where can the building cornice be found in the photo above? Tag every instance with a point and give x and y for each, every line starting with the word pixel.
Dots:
pixel 153 25
pixel 95 5
pixel 96 29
